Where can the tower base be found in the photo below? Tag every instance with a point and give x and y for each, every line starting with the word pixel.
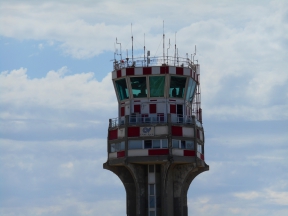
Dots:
pixel 161 191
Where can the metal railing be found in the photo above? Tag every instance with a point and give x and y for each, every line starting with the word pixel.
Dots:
pixel 153 61
pixel 152 119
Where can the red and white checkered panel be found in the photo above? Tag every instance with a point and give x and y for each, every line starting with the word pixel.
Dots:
pixel 154 71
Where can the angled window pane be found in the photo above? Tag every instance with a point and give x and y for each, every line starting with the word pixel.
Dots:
pixel 164 143
pixel 156 143
pixel 122 146
pixel 113 147
pixel 177 86
pixel 157 86
pixel 138 86
pixel 190 90
pixel 152 213
pixel 122 89
pixel 189 144
pixel 175 143
pixel 135 144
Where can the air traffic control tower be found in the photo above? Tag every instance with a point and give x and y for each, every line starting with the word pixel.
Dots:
pixel 156 144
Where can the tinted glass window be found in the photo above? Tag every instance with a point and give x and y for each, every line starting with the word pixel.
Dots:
pixel 157 86
pixel 147 143
pixel 122 89
pixel 138 86
pixel 177 86
pixel 164 144
pixel 156 143
pixel 189 144
pixel 135 144
pixel 175 143
pixel 190 90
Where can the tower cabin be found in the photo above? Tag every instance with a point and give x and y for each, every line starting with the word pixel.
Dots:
pixel 156 144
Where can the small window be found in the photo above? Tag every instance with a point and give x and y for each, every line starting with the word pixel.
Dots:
pixel 175 143
pixel 157 86
pixel 151 168
pixel 152 213
pixel 164 143
pixel 147 144
pixel 177 86
pixel 156 143
pixel 138 86
pixel 122 89
pixel 135 144
pixel 152 202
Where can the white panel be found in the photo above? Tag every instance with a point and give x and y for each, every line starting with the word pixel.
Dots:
pixel 123 72
pixel 114 74
pixel 138 71
pixel 186 71
pixel 121 133
pixel 161 108
pixel 138 152
pixel 178 152
pixel 188 132
pixel 198 155
pixel 160 130
pixel 155 70
pixel 151 178
pixel 201 135
pixel 144 108
pixel 113 155
pixel 172 70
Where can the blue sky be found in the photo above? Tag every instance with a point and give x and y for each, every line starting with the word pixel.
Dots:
pixel 56 97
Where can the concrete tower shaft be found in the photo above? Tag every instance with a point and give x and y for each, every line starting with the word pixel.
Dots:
pixel 156 144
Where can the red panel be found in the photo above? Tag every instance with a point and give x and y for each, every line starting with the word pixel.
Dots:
pixel 158 151
pixel 164 70
pixel 147 70
pixel 120 154
pixel 179 70
pixel 137 108
pixel 113 134
pixel 172 108
pixel 133 131
pixel 129 71
pixel 202 156
pixel 189 153
pixel 122 111
pixel 152 108
pixel 176 131
pixel 118 73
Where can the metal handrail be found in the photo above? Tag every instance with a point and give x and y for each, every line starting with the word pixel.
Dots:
pixel 153 61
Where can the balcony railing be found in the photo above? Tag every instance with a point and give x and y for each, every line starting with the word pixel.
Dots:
pixel 153 61
pixel 152 119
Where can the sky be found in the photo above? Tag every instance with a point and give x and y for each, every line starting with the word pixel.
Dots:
pixel 56 96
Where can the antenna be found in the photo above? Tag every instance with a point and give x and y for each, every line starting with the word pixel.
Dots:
pixel 120 49
pixel 163 44
pixel 167 51
pixel 194 54
pixel 175 49
pixel 144 50
pixel 132 42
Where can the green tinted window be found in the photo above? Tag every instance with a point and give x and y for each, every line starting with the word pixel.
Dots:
pixel 138 86
pixel 157 86
pixel 190 90
pixel 122 89
pixel 177 86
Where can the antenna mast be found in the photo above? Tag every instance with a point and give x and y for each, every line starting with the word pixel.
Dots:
pixel 144 51
pixel 175 50
pixel 132 42
pixel 163 44
pixel 120 49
